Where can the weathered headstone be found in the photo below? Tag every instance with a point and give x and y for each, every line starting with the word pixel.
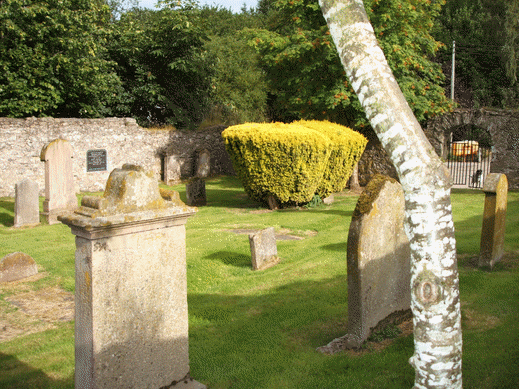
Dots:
pixel 26 203
pixel 263 249
pixel 172 171
pixel 131 318
pixel 16 266
pixel 60 196
pixel 493 230
pixel 195 192
pixel 378 261
pixel 203 166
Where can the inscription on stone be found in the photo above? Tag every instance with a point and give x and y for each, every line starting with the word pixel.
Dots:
pixel 96 160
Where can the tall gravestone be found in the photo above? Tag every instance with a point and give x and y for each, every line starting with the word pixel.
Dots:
pixel 195 188
pixel 26 203
pixel 378 260
pixel 131 287
pixel 494 213
pixel 172 169
pixel 60 196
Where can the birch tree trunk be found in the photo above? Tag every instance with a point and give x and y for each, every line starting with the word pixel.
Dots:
pixel 426 183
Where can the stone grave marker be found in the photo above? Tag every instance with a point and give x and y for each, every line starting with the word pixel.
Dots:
pixel 195 192
pixel 16 266
pixel 26 203
pixel 203 166
pixel 263 249
pixel 60 196
pixel 494 213
pixel 131 316
pixel 378 262
pixel 172 171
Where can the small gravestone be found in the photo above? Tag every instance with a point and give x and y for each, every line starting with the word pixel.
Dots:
pixel 263 249
pixel 195 192
pixel 172 171
pixel 26 203
pixel 60 196
pixel 493 230
pixel 378 261
pixel 203 166
pixel 16 266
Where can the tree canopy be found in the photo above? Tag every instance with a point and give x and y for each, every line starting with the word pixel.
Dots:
pixel 305 73
pixel 53 59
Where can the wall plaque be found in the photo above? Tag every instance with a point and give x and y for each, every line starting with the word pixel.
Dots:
pixel 96 160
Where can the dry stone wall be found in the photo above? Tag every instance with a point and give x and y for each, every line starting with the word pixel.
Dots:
pixel 22 140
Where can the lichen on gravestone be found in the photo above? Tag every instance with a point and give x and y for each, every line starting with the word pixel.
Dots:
pixel 16 266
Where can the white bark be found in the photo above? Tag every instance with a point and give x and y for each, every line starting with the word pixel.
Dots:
pixel 426 184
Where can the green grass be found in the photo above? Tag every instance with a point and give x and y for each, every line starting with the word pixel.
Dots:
pixel 260 329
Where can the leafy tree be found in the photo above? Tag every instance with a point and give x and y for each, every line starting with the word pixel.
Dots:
pixel 426 184
pixel 163 65
pixel 304 69
pixel 486 34
pixel 53 59
pixel 238 83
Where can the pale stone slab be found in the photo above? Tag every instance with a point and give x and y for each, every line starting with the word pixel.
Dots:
pixel 26 203
pixel 195 192
pixel 378 261
pixel 494 214
pixel 263 249
pixel 203 166
pixel 60 195
pixel 172 170
pixel 16 266
pixel 131 287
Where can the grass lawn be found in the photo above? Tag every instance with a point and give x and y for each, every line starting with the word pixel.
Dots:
pixel 260 329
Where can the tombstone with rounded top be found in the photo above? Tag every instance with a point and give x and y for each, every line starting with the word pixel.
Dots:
pixel 131 285
pixel 378 262
pixel 203 166
pixel 60 195
pixel 16 266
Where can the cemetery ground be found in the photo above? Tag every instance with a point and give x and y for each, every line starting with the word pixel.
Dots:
pixel 259 329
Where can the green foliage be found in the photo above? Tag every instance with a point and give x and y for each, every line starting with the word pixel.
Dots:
pixel 163 65
pixel 53 59
pixel 294 162
pixel 305 72
pixel 286 161
pixel 487 46
pixel 239 88
pixel 346 149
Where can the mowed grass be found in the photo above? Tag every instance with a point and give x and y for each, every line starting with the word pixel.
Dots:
pixel 260 329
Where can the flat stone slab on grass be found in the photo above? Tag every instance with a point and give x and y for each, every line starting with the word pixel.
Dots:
pixel 16 266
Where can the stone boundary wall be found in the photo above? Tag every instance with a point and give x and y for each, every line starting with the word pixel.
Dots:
pixel 21 142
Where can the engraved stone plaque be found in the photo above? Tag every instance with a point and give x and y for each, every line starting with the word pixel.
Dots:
pixel 96 160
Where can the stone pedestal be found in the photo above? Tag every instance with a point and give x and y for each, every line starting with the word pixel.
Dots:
pixel 493 230
pixel 131 292
pixel 60 196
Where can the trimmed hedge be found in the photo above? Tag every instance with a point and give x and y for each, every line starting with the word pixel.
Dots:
pixel 292 161
pixel 347 148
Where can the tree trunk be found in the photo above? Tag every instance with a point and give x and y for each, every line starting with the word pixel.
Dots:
pixel 426 183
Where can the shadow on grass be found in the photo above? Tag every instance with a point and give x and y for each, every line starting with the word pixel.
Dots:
pixel 340 247
pixel 15 374
pixel 7 218
pixel 231 258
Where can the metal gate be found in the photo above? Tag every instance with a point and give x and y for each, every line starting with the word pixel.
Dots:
pixel 468 163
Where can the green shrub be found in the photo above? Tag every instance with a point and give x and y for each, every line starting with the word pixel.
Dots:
pixel 347 148
pixel 286 161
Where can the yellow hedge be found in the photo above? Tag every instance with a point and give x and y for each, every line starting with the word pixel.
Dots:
pixel 347 148
pixel 292 161
pixel 286 161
